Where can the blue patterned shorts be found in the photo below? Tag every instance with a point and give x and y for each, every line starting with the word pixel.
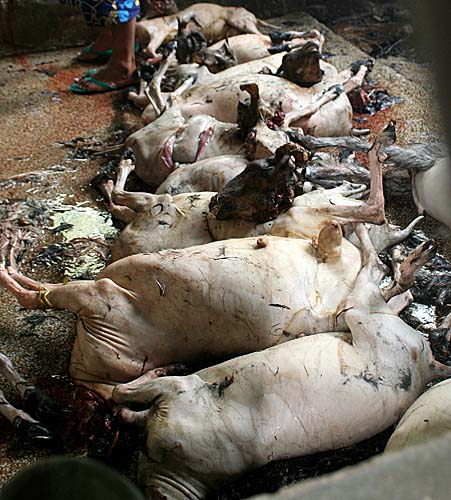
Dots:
pixel 106 12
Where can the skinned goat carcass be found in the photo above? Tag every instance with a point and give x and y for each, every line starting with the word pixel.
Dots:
pixel 195 75
pixel 171 141
pixel 306 396
pixel 215 21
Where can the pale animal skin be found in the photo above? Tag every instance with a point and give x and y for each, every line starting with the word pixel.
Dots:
pixel 172 140
pixel 305 396
pixel 428 417
pixel 211 174
pixel 431 190
pixel 163 221
pixel 216 22
pixel 219 99
pixel 195 305
pixel 250 47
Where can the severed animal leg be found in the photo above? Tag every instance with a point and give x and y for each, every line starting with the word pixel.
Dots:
pixel 405 271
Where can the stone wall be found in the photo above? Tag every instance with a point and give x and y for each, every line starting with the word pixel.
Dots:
pixel 40 25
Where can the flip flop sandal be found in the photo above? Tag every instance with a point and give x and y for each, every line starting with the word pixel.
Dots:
pixel 104 86
pixel 100 57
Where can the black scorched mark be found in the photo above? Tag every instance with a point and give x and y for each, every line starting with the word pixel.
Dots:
pixel 280 305
pixel 370 379
pixel 405 377
pixel 220 387
pixel 192 199
pixel 144 364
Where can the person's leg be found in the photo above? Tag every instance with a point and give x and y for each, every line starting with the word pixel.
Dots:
pixel 119 20
pixel 120 69
pixel 101 47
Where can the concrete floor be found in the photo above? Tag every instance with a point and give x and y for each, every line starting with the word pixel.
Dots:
pixel 39 113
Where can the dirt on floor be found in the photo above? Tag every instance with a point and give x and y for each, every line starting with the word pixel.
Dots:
pixel 53 144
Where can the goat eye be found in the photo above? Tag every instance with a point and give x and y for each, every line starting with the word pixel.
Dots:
pixel 157 209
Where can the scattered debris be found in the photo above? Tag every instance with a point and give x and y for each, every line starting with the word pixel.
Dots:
pixel 86 148
pixel 85 232
pixel 369 103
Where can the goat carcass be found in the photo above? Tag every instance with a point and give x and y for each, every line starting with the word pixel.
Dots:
pixel 298 398
pixel 158 222
pixel 321 109
pixel 241 49
pixel 211 174
pixel 215 21
pixel 428 417
pixel 197 304
pixel 172 140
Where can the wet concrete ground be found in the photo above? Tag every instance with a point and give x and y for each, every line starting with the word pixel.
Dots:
pixel 39 113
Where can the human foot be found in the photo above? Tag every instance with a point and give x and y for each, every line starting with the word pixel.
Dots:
pixel 108 78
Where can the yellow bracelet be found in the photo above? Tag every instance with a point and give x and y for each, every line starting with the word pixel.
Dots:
pixel 43 299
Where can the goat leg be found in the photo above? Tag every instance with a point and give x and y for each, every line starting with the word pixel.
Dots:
pixel 154 89
pixel 404 272
pixel 329 95
pixel 120 212
pixel 25 424
pixel 36 403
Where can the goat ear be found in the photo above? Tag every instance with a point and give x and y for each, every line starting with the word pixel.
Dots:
pixel 179 26
pixel 227 49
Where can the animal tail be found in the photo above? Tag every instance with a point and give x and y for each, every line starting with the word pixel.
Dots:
pixel 265 24
pixel 416 157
